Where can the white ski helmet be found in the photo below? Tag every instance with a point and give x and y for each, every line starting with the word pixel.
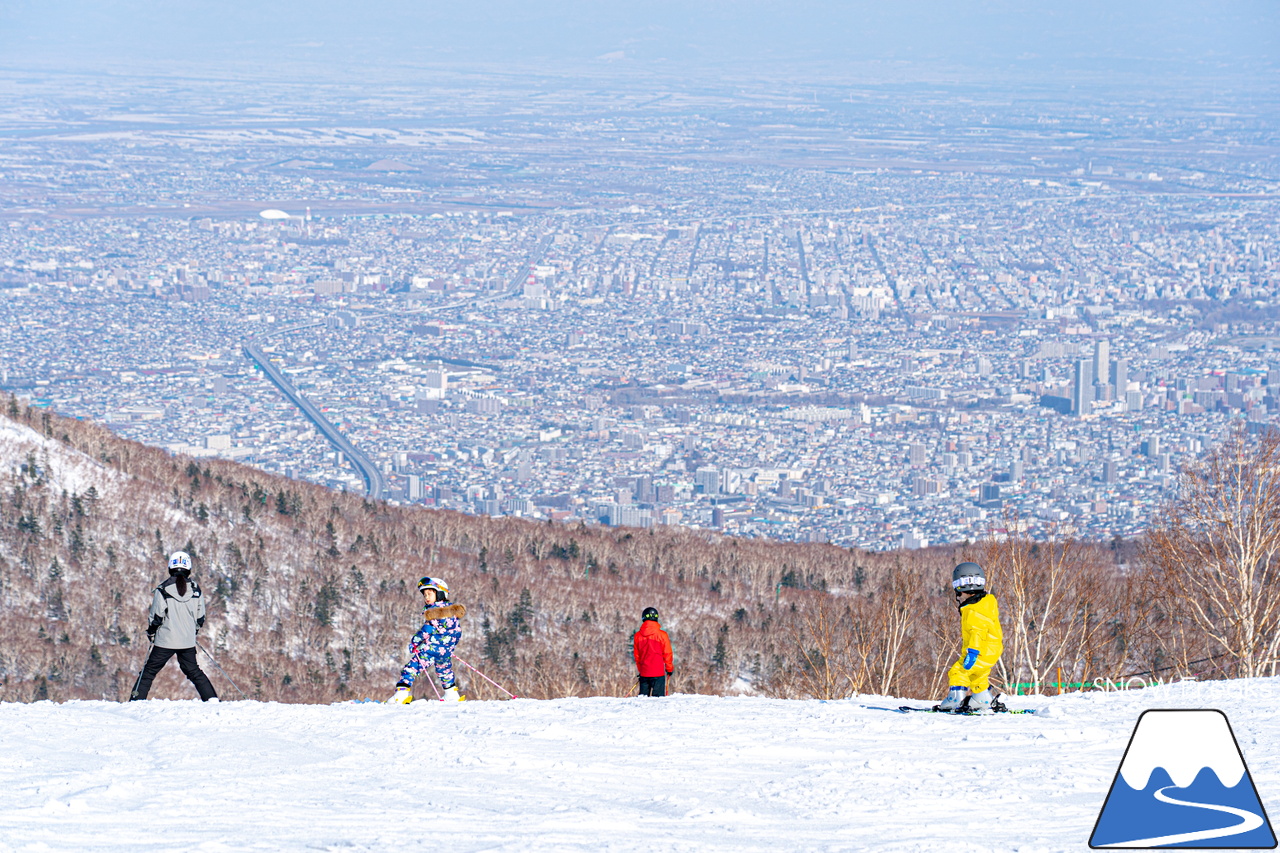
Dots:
pixel 438 584
pixel 968 577
pixel 180 563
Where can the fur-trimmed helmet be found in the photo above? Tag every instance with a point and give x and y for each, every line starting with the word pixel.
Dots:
pixel 649 614
pixel 438 584
pixel 180 563
pixel 968 577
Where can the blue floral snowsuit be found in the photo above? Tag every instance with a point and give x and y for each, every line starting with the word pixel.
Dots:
pixel 433 644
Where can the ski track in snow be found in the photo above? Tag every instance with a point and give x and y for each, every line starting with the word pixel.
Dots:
pixel 685 773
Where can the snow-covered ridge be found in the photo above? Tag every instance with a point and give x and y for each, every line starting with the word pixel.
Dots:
pixel 65 468
pixel 1183 743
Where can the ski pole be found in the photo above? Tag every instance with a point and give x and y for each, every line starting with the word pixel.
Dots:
pixel 214 661
pixel 431 679
pixel 134 692
pixel 485 677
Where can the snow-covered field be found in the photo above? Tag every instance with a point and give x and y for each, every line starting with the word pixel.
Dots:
pixel 681 773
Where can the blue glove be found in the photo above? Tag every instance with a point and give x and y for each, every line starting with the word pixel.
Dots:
pixel 970 658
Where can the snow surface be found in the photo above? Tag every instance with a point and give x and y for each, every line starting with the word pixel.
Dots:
pixel 66 468
pixel 685 773
pixel 1203 739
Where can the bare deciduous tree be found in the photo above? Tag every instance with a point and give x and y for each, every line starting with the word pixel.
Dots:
pixel 1049 601
pixel 895 620
pixel 1214 550
pixel 828 664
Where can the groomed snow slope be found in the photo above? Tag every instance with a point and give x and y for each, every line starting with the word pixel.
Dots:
pixel 682 773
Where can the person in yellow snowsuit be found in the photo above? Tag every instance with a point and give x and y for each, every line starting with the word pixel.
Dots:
pixel 981 639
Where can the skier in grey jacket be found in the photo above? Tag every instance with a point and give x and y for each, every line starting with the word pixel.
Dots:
pixel 177 614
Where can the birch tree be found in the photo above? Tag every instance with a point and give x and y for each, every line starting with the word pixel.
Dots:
pixel 1215 550
pixel 1048 592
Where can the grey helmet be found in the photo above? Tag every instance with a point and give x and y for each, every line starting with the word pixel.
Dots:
pixel 968 577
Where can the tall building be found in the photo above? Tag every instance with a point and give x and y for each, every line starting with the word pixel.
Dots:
pixel 916 454
pixel 1120 376
pixel 644 489
pixel 1101 361
pixel 708 479
pixel 435 385
pixel 533 288
pixel 1082 392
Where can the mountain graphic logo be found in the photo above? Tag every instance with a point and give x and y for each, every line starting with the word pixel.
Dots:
pixel 1183 783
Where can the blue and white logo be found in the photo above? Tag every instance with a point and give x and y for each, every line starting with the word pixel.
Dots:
pixel 1183 783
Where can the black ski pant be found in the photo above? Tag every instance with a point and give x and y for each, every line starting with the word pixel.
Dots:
pixel 186 662
pixel 653 685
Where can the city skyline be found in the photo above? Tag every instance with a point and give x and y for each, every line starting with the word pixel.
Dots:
pixel 879 306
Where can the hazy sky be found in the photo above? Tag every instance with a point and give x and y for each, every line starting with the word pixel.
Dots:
pixel 980 34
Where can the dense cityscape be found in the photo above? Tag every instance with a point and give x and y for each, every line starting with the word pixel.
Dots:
pixel 872 316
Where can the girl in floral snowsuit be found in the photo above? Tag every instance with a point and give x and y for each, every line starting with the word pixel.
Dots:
pixel 434 643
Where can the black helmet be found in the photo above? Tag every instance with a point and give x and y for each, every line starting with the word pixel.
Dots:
pixel 968 577
pixel 648 614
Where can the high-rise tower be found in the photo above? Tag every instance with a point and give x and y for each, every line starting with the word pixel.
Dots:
pixel 1082 393
pixel 1101 361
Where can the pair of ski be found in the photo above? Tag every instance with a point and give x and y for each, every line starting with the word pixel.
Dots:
pixel 905 709
pixel 997 707
pixel 369 700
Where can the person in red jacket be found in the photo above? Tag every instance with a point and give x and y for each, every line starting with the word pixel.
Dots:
pixel 651 648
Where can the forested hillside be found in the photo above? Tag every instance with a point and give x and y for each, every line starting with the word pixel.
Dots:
pixel 311 592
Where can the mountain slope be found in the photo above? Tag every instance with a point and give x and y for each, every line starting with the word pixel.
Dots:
pixel 311 592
